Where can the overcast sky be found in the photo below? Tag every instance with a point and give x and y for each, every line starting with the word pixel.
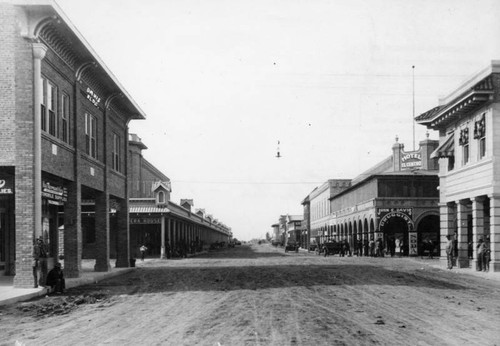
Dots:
pixel 222 81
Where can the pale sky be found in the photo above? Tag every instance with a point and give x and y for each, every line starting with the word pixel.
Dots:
pixel 222 81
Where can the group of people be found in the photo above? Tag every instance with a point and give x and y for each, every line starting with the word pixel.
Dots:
pixel 53 279
pixel 482 253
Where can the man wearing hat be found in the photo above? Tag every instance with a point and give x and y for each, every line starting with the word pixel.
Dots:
pixel 40 253
pixel 55 279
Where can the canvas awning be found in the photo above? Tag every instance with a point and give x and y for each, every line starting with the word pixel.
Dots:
pixel 445 149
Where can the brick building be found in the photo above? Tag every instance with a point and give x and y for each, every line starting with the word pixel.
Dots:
pixel 397 198
pixel 64 140
pixel 468 121
pixel 157 222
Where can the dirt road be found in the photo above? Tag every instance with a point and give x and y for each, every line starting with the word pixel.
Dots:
pixel 259 295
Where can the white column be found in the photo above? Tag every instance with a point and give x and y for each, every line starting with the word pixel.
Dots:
pixel 477 225
pixel 446 217
pixel 495 232
pixel 463 257
pixel 39 51
pixel 162 248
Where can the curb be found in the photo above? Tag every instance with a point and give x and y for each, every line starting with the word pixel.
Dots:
pixel 70 283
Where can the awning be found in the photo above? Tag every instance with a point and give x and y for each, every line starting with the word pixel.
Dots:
pixel 147 210
pixel 445 149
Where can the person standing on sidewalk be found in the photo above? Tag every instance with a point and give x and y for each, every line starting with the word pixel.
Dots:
pixel 481 248
pixel 39 261
pixel 143 250
pixel 449 251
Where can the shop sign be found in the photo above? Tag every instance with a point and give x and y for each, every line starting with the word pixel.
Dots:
pixel 145 220
pixel 54 193
pixel 6 186
pixel 92 97
pixel 386 214
pixel 411 160
pixel 413 249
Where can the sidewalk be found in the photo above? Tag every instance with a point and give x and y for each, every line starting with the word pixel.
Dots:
pixel 9 294
pixel 441 264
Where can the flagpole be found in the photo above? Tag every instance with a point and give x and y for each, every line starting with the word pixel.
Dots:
pixel 413 99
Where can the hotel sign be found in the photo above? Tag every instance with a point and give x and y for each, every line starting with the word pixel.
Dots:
pixel 411 160
pixel 145 220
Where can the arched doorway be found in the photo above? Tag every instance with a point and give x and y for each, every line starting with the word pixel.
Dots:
pixel 396 229
pixel 428 230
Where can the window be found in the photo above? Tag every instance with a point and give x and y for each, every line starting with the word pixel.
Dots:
pixel 451 163
pixel 116 152
pixel 48 108
pixel 480 135
pixel 43 106
pixel 463 140
pixel 90 135
pixel 65 118
pixel 161 197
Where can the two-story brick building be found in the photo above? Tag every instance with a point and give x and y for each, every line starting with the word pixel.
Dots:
pixel 468 121
pixel 64 140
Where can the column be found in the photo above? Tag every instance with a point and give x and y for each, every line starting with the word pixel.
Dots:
pixel 73 232
pixel 446 221
pixel 477 225
pixel 162 248
pixel 102 232
pixel 123 253
pixel 463 258
pixel 29 188
pixel 495 233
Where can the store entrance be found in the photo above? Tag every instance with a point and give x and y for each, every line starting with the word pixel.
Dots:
pixel 396 230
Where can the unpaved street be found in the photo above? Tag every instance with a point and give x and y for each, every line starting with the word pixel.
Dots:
pixel 258 295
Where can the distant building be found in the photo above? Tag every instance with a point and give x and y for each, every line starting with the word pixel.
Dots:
pixel 294 229
pixel 468 121
pixel 317 203
pixel 157 222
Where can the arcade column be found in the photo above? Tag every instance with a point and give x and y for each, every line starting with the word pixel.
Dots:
pixel 446 224
pixel 463 257
pixel 477 225
pixel 495 232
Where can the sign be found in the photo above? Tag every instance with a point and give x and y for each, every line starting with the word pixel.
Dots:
pixel 413 248
pixel 411 160
pixel 6 186
pixel 386 214
pixel 145 220
pixel 92 97
pixel 55 194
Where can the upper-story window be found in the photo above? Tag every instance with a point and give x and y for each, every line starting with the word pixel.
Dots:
pixel 49 107
pixel 116 152
pixel 65 118
pixel 480 135
pixel 161 197
pixel 464 142
pixel 91 135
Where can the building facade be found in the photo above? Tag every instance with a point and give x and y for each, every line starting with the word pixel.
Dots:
pixel 395 201
pixel 164 227
pixel 64 138
pixel 468 121
pixel 319 207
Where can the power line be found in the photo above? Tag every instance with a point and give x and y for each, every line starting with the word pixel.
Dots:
pixel 248 182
